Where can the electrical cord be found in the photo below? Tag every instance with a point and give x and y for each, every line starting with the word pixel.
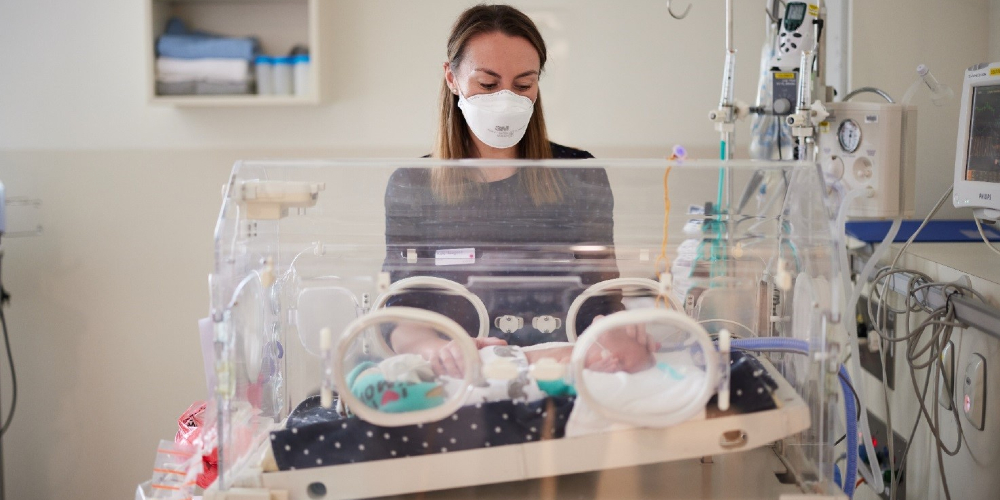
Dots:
pixel 925 342
pixel 881 319
pixel 979 225
pixel 937 329
pixel 893 488
pixel 13 373
pixel 4 300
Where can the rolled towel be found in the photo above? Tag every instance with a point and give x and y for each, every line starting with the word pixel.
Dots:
pixel 228 70
pixel 206 46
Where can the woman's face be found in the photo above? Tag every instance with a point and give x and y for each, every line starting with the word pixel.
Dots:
pixel 493 62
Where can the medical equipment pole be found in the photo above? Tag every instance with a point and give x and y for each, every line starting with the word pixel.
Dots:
pixel 726 100
pixel 724 118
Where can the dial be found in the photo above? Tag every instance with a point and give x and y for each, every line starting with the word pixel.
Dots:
pixel 849 135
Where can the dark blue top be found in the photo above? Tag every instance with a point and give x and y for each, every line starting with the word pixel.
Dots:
pixel 528 258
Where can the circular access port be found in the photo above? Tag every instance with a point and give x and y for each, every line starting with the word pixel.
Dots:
pixel 833 171
pixel 863 169
pixel 316 490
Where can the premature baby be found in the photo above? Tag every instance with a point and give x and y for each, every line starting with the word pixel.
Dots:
pixel 409 382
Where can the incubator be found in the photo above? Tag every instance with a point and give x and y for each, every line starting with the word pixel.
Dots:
pixel 393 326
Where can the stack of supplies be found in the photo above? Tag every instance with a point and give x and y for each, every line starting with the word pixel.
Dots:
pixel 190 62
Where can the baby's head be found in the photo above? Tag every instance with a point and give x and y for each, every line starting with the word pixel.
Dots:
pixel 618 350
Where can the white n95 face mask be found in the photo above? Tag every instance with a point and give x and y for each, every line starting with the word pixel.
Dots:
pixel 499 119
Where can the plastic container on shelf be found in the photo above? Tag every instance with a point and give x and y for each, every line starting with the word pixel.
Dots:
pixel 301 69
pixel 283 76
pixel 264 70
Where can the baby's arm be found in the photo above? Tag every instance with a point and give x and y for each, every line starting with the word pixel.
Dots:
pixel 560 354
pixel 444 355
pixel 597 358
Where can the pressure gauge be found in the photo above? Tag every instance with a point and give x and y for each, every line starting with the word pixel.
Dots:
pixel 849 135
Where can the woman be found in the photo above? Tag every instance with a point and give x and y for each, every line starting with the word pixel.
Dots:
pixel 481 223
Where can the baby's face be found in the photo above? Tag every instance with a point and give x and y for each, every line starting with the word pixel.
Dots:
pixel 618 351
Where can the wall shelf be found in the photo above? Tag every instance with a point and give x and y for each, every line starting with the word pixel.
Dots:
pixel 232 100
pixel 278 25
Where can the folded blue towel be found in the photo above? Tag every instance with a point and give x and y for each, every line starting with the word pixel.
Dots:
pixel 181 43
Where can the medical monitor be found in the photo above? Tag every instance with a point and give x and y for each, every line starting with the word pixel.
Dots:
pixel 977 155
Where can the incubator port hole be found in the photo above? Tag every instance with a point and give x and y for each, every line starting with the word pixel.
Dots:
pixel 316 490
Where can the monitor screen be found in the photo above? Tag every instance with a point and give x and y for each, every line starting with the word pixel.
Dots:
pixel 796 12
pixel 983 163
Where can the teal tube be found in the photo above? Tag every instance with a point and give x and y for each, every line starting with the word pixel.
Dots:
pixel 722 175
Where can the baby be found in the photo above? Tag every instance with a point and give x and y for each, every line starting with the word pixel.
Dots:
pixel 409 382
pixel 625 350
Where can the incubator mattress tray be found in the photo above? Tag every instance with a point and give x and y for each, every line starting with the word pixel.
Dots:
pixel 517 456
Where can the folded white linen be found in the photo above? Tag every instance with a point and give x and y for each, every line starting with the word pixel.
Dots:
pixel 172 70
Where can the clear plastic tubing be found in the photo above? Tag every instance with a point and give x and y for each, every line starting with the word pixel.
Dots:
pixel 842 229
pixel 875 480
pixel 873 476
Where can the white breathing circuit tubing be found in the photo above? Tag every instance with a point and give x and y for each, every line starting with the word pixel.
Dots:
pixel 874 479
pixel 596 288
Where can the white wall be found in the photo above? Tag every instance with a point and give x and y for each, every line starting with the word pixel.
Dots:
pixel 105 301
pixel 608 63
pixel 890 39
pixel 994 33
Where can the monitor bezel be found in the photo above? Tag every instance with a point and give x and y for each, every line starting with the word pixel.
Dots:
pixel 983 197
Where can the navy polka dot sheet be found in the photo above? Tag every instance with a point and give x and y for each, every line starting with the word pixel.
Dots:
pixel 315 436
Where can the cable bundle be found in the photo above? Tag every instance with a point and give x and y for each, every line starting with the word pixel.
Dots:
pixel 925 343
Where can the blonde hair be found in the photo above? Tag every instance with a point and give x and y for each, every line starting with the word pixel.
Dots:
pixel 454 139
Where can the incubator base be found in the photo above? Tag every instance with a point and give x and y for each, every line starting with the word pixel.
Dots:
pixel 714 436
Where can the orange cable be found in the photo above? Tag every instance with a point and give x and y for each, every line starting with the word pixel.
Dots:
pixel 666 226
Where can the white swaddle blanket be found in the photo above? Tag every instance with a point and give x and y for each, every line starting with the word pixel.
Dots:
pixel 663 389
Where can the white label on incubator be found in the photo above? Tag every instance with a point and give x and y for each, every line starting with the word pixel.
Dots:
pixel 454 256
